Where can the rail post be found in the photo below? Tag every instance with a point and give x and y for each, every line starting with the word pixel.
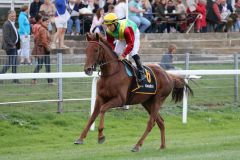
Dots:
pixel 185 93
pixel 236 79
pixel 59 83
pixel 12 5
pixel 93 99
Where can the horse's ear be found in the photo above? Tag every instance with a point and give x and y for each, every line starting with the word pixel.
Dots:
pixel 97 37
pixel 88 36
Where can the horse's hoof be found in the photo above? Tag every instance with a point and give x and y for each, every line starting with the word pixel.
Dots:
pixel 162 147
pixel 101 140
pixel 135 149
pixel 78 141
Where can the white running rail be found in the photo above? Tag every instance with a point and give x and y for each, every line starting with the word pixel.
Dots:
pixel 13 3
pixel 189 74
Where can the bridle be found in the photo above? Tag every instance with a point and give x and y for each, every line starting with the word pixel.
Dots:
pixel 101 64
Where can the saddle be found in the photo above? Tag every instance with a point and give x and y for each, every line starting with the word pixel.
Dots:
pixel 146 86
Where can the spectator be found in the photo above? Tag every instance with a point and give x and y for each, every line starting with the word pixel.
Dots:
pixel 34 9
pixel 120 9
pixel 73 8
pixel 37 25
pixel 101 3
pixel 10 39
pixel 108 2
pixel 181 9
pixel 167 59
pixel 86 8
pixel 111 8
pixel 160 11
pixel 96 6
pixel 41 49
pixel 225 7
pixel 97 22
pixel 135 14
pixel 24 32
pixel 48 9
pixel 82 4
pixel 154 4
pixel 61 19
pixel 226 13
pixel 92 6
pixel 35 31
pixel 199 15
pixel 213 16
pixel 201 24
pixel 171 7
pixel 146 5
pixel 237 11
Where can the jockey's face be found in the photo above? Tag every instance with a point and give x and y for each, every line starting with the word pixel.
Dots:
pixel 111 27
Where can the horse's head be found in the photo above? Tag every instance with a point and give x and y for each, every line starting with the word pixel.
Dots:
pixel 92 53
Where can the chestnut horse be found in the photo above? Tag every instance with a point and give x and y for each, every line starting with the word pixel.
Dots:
pixel 113 87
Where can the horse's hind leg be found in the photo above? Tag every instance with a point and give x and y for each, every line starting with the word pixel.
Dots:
pixel 160 123
pixel 90 122
pixel 150 124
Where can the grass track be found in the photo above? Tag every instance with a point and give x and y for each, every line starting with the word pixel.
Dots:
pixel 36 132
pixel 27 134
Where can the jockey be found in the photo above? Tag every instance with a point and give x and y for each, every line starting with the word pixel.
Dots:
pixel 127 37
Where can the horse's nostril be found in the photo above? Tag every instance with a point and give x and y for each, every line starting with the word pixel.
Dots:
pixel 88 71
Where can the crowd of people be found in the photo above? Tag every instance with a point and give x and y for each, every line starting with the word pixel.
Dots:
pixel 151 16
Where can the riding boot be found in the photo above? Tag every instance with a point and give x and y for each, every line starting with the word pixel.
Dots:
pixel 141 75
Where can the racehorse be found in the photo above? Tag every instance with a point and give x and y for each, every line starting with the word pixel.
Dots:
pixel 113 89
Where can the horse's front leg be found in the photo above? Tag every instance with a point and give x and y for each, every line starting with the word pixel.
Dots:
pixel 93 117
pixel 115 102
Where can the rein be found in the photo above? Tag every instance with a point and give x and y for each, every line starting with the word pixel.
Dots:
pixel 104 63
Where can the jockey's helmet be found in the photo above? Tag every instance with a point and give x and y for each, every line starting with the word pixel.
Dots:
pixel 110 18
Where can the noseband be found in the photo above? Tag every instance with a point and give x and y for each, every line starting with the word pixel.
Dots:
pixel 100 45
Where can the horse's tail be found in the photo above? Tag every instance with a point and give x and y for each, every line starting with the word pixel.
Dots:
pixel 179 84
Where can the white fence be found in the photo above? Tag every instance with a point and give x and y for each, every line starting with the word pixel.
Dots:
pixel 59 75
pixel 13 3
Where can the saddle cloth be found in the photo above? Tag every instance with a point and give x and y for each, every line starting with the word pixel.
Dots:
pixel 146 86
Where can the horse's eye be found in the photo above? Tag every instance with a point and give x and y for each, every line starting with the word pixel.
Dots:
pixel 95 50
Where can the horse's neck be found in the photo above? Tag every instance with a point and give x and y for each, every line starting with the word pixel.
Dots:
pixel 110 61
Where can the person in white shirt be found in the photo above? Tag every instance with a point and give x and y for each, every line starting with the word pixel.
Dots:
pixel 73 8
pixel 96 26
pixel 120 9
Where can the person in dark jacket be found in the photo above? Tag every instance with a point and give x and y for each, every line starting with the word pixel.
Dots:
pixel 42 49
pixel 10 41
pixel 167 59
pixel 34 10
pixel 213 16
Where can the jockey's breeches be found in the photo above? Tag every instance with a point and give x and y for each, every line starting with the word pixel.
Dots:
pixel 121 45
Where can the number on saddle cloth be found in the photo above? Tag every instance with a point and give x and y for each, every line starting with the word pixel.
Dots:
pixel 147 86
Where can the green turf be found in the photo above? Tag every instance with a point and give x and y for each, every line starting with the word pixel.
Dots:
pixel 36 132
pixel 31 133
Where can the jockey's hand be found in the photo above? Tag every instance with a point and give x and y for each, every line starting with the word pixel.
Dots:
pixel 121 58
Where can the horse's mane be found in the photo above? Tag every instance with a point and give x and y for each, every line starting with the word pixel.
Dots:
pixel 109 47
pixel 105 42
